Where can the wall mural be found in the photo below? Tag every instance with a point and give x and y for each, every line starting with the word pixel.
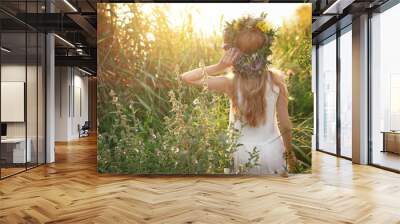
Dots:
pixel 215 88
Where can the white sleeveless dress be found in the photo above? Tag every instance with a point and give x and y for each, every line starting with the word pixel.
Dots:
pixel 265 137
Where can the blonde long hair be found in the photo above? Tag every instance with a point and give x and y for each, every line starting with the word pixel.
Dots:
pixel 252 88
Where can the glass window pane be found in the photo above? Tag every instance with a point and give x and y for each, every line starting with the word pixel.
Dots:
pixel 327 96
pixel 14 153
pixel 385 89
pixel 32 87
pixel 346 94
pixel 23 89
pixel 31 97
pixel 41 98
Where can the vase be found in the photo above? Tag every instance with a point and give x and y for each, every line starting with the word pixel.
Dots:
pixel 227 171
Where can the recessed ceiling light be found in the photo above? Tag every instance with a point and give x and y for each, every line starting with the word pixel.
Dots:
pixel 5 50
pixel 70 5
pixel 337 7
pixel 65 41
pixel 84 71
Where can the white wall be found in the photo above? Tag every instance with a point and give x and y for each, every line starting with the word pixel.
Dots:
pixel 62 81
pixel 16 72
pixel 80 109
pixel 13 72
pixel 70 83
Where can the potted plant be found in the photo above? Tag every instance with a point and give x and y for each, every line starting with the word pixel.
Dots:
pixel 227 164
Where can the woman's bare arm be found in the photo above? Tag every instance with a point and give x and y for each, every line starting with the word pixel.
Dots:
pixel 285 125
pixel 215 83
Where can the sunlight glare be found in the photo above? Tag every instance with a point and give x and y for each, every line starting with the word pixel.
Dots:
pixel 208 18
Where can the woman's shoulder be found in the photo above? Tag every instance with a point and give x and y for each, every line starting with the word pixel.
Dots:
pixel 277 75
pixel 278 79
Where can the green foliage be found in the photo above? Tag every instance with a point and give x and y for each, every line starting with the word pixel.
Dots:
pixel 254 157
pixel 292 54
pixel 148 122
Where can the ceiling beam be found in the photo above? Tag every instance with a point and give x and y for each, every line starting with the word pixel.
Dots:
pixel 82 61
pixel 337 7
pixel 84 24
pixel 321 23
pixel 49 22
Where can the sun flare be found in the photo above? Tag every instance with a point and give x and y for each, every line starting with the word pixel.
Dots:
pixel 208 18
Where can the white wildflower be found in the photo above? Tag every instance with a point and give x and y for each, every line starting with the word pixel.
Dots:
pixel 196 101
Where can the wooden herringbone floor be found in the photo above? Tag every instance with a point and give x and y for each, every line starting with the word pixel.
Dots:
pixel 70 191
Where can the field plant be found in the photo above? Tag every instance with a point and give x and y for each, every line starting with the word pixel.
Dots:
pixel 149 122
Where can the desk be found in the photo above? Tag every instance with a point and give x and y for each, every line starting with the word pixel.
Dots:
pixel 15 148
pixel 391 141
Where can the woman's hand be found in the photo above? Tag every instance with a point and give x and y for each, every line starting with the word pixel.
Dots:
pixel 216 83
pixel 229 58
pixel 292 161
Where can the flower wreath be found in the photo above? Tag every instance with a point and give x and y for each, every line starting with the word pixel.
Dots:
pixel 253 64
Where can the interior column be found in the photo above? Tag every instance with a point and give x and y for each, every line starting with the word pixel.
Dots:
pixel 360 90
pixel 50 92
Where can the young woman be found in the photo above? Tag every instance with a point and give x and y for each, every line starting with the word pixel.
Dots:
pixel 258 95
